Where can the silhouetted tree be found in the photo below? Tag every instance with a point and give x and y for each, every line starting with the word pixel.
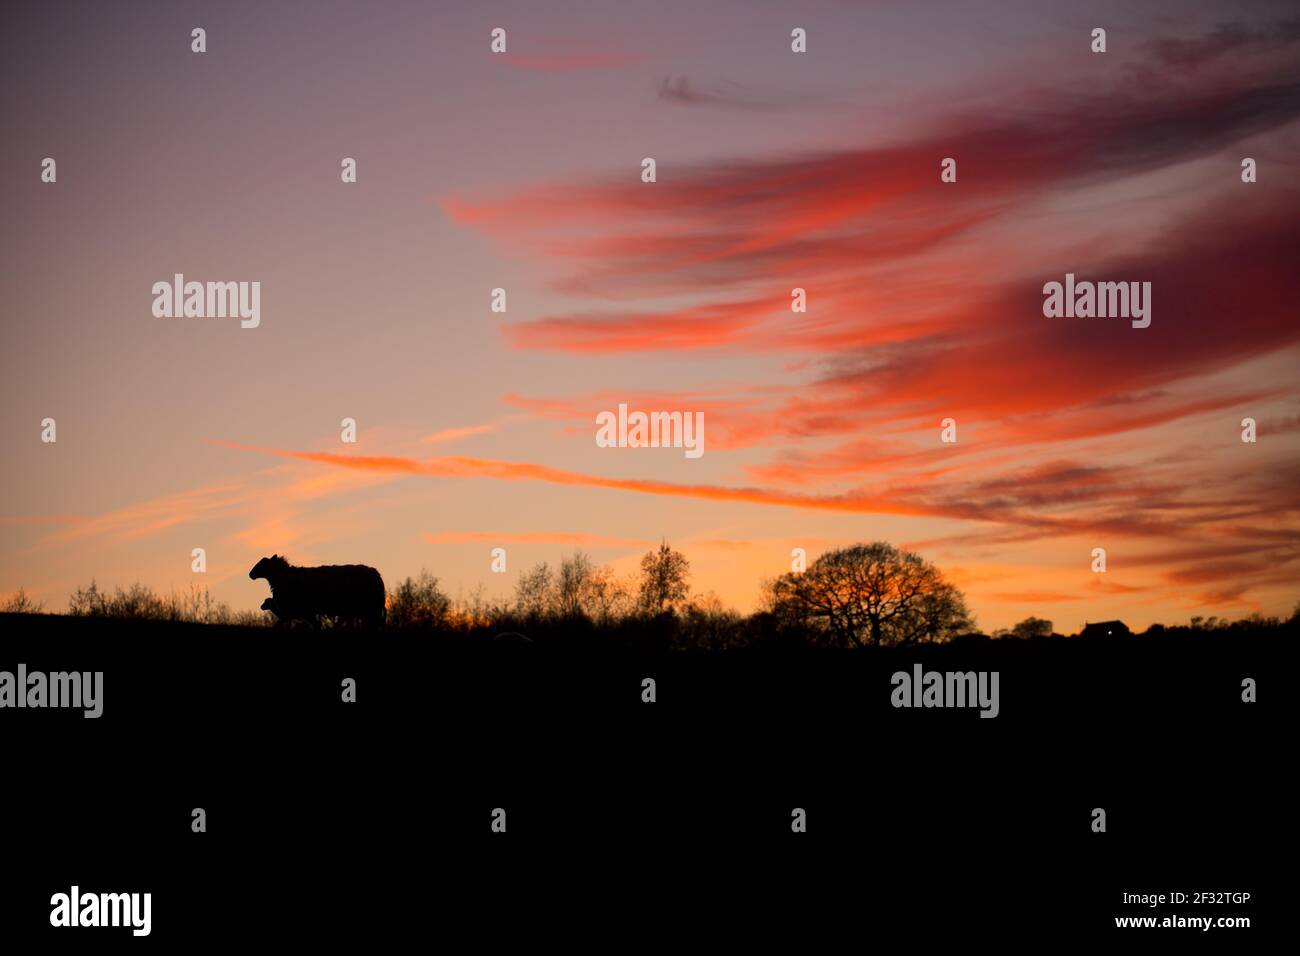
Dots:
pixel 571 586
pixel 606 599
pixel 578 589
pixel 663 579
pixel 940 613
pixel 533 592
pixel 708 624
pixel 871 594
pixel 1032 627
pixel 418 603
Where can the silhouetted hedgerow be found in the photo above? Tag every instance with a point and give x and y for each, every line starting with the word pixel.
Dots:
pixel 139 602
pixel 860 596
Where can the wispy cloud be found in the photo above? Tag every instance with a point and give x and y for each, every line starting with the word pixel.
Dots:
pixel 146 518
pixel 463 467
pixel 448 435
pixel 18 520
pixel 566 54
pixel 733 95
pixel 535 537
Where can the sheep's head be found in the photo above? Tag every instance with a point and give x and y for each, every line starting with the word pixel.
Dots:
pixel 267 567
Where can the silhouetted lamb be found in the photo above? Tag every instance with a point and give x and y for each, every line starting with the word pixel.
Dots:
pixel 347 593
pixel 269 605
pixel 280 620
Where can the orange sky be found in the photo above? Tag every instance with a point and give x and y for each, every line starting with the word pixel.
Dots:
pixel 775 171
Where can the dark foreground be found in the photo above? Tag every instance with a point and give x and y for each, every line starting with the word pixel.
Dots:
pixel 664 822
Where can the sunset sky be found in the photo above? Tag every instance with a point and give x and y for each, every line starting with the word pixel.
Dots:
pixel 775 170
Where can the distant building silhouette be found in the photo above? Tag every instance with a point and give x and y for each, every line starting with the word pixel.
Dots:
pixel 1106 629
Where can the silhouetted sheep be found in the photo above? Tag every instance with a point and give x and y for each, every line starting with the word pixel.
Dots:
pixel 348 593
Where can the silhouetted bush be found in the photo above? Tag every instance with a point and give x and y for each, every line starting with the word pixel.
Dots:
pixel 706 624
pixel 865 595
pixel 419 603
pixel 1032 627
pixel 140 603
pixel 20 603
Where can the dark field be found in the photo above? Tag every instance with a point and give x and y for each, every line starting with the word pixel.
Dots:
pixel 390 798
